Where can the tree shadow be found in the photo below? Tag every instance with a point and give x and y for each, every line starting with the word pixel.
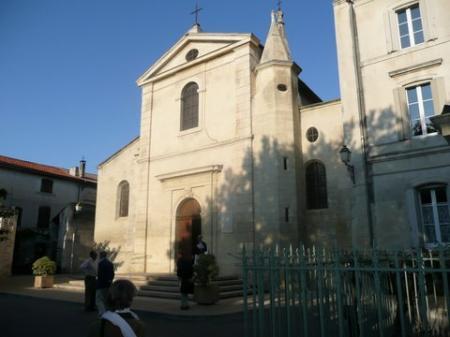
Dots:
pixel 111 252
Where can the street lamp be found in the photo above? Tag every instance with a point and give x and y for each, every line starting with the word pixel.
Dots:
pixel 442 122
pixel 346 156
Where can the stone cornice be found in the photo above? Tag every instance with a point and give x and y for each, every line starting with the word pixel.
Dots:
pixel 416 67
pixel 189 172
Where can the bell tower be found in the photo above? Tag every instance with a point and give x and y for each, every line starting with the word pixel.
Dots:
pixel 276 142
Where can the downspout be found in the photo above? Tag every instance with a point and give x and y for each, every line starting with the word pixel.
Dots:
pixel 252 175
pixel 148 183
pixel 362 122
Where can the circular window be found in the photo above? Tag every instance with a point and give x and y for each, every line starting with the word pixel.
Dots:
pixel 192 54
pixel 282 87
pixel 312 134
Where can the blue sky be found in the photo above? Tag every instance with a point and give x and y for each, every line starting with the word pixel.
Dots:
pixel 68 68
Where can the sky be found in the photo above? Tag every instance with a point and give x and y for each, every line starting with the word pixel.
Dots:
pixel 68 68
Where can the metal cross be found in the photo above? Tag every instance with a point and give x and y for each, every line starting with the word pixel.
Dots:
pixel 196 11
pixel 279 5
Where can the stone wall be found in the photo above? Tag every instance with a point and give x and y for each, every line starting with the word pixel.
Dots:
pixel 7 245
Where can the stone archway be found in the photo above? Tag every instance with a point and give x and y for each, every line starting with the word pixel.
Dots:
pixel 188 226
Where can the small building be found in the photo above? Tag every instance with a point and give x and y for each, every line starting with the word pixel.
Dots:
pixel 55 210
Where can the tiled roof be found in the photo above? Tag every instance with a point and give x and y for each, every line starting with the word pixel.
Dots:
pixel 23 165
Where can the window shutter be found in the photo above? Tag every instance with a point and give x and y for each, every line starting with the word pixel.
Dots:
pixel 428 21
pixel 401 108
pixel 438 92
pixel 389 32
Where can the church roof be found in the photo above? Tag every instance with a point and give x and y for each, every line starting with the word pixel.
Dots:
pixel 42 169
pixel 218 42
pixel 135 139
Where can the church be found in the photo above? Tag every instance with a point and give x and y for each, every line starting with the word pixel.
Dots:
pixel 235 147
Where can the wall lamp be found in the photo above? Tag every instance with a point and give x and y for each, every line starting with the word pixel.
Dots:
pixel 346 156
pixel 442 122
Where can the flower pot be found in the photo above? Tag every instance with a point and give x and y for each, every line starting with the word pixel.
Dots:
pixel 206 294
pixel 43 281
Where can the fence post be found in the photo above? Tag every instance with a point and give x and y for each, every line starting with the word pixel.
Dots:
pixel 359 300
pixel 443 266
pixel 399 294
pixel 245 290
pixel 376 268
pixel 337 267
pixel 422 292
pixel 302 260
pixel 287 295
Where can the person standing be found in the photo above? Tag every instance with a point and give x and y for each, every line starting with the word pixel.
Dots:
pixel 105 276
pixel 89 268
pixel 200 248
pixel 185 272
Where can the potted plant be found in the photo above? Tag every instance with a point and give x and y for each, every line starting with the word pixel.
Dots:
pixel 205 270
pixel 43 270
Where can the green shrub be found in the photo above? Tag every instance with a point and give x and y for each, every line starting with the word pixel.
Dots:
pixel 206 269
pixel 44 266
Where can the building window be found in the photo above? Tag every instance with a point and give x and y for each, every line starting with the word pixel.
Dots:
pixel 312 134
pixel 189 106
pixel 435 213
pixel 124 198
pixel 46 186
pixel 420 108
pixel 43 217
pixel 316 186
pixel 410 26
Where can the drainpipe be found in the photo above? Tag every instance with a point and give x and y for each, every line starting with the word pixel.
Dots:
pixel 362 122
pixel 148 182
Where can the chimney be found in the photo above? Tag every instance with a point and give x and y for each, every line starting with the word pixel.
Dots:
pixel 82 168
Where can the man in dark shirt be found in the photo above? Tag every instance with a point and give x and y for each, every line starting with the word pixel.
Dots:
pixel 105 276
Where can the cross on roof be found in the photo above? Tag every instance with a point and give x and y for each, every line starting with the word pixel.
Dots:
pixel 196 11
pixel 279 5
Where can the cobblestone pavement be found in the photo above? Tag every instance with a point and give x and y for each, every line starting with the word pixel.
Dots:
pixel 28 316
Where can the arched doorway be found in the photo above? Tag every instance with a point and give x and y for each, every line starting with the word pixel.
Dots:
pixel 188 226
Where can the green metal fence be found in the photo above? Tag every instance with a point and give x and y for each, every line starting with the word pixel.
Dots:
pixel 318 292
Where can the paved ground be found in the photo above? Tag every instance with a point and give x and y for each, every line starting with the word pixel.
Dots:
pixel 42 317
pixel 23 285
pixel 27 311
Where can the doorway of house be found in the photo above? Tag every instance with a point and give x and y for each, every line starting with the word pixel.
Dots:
pixel 188 227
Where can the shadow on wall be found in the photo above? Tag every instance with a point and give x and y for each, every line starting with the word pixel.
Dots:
pixel 331 226
pixel 111 252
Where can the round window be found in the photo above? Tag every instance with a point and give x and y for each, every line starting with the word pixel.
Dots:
pixel 192 54
pixel 282 87
pixel 312 134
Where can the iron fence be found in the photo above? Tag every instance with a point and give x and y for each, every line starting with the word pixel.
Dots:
pixel 318 292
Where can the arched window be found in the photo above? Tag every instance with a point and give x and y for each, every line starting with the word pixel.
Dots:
pixel 124 198
pixel 189 106
pixel 435 213
pixel 316 186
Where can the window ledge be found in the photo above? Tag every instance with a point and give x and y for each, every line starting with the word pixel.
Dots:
pixel 189 131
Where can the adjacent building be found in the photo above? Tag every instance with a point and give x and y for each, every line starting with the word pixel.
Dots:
pixel 55 210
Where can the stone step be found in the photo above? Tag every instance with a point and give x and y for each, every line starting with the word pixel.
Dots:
pixel 176 295
pixel 164 285
pixel 176 288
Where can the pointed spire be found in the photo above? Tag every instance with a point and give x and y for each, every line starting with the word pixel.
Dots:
pixel 276 47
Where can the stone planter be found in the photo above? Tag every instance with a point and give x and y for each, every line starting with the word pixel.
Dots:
pixel 43 281
pixel 206 294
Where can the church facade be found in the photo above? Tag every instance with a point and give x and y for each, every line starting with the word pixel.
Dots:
pixel 236 147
